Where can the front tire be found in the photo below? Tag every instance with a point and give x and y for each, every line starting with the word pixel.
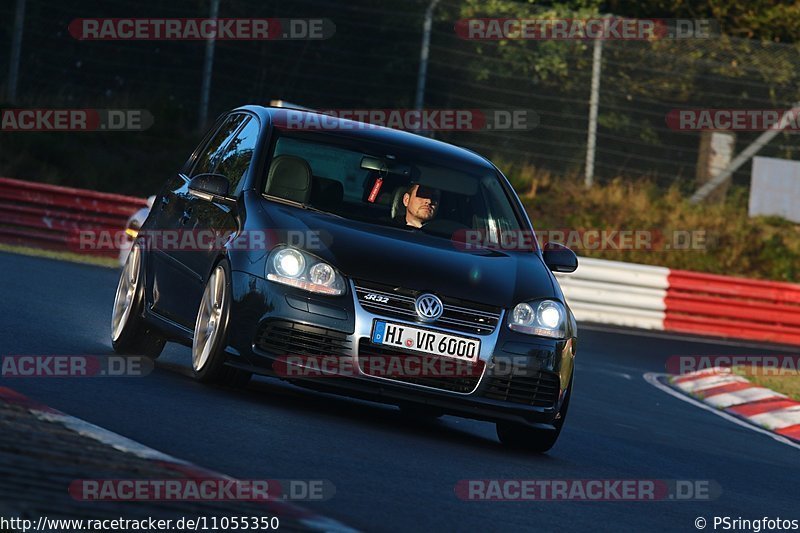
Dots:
pixel 211 332
pixel 521 437
pixel 130 335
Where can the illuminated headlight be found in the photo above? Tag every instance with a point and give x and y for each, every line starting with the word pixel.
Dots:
pixel 296 268
pixel 546 319
pixel 289 263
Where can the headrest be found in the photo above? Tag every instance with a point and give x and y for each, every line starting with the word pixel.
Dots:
pixel 289 178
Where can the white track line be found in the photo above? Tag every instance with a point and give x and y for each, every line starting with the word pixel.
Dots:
pixel 653 379
pixel 109 438
pixel 126 445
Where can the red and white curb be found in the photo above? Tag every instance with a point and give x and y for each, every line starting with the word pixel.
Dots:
pixel 661 381
pixel 724 392
pixel 312 521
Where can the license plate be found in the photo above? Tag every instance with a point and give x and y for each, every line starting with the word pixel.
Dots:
pixel 405 337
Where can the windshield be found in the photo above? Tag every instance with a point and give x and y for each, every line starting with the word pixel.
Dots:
pixel 379 186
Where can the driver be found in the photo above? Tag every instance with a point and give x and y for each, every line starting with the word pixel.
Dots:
pixel 421 204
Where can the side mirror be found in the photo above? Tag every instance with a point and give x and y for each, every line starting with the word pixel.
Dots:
pixel 559 258
pixel 211 187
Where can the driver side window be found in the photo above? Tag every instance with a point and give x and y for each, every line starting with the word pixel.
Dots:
pixel 235 160
pixel 210 157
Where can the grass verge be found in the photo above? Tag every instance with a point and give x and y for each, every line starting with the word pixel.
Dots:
pixel 787 382
pixel 61 256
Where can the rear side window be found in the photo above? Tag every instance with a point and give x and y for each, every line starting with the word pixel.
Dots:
pixel 212 154
pixel 329 162
pixel 237 155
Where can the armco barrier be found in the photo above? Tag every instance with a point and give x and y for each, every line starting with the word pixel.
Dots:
pixel 733 307
pixel 626 294
pixel 49 216
pixel 613 292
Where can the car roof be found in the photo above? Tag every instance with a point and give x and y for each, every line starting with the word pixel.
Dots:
pixel 380 134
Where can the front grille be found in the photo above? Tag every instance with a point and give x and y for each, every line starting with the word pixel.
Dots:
pixel 288 338
pixel 540 389
pixel 463 380
pixel 397 302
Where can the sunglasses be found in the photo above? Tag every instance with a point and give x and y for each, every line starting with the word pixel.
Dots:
pixel 428 192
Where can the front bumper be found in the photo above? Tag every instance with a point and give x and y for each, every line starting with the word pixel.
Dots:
pixel 522 378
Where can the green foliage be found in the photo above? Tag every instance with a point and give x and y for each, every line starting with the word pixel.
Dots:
pixel 764 247
pixel 769 20
pixel 543 62
pixel 641 81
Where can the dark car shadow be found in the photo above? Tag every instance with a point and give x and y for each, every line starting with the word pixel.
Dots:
pixel 288 397
pixel 271 391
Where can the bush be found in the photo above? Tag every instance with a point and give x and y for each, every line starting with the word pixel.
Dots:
pixel 763 247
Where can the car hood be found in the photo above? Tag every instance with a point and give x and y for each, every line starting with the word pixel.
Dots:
pixel 415 260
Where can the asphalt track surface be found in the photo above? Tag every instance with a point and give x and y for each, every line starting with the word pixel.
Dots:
pixel 395 474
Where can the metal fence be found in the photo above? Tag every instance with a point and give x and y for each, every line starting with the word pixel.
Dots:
pixel 372 62
pixel 640 82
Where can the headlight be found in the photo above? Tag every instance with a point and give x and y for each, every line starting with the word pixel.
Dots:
pixel 322 274
pixel 289 263
pixel 297 268
pixel 546 319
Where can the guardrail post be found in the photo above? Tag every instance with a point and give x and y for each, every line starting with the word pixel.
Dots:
pixel 16 51
pixel 208 67
pixel 424 52
pixel 594 104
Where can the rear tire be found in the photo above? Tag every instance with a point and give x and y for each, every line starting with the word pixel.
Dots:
pixel 211 332
pixel 522 437
pixel 130 334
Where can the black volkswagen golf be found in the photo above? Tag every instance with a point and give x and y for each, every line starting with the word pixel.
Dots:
pixel 351 258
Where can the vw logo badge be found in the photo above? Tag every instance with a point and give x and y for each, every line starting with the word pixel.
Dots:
pixel 429 307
